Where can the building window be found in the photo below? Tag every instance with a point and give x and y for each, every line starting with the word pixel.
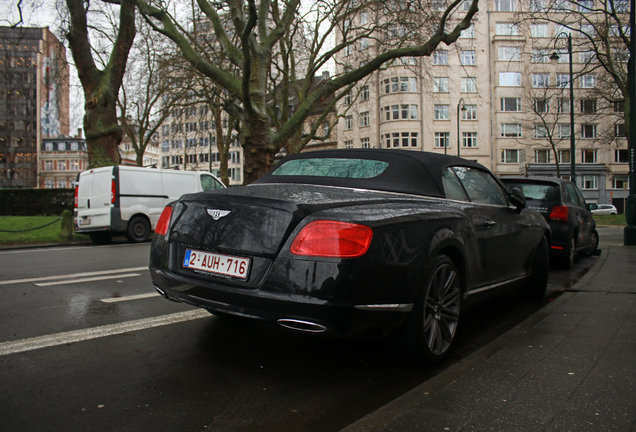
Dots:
pixel 540 55
pixel 469 85
pixel 564 156
pixel 510 104
pixel 347 98
pixel 61 165
pixel 74 146
pixel 49 184
pixel 506 29
pixel 621 156
pixel 48 165
pixel 469 33
pixel 542 156
pixel 191 142
pixel 619 107
pixel 61 183
pixel 511 130
pixel 348 144
pixel 165 146
pixel 589 156
pixel 588 131
pixel 469 139
pixel 440 84
pixel 539 30
pixel 585 5
pixel 620 181
pixel 509 156
pixel 510 79
pixel 440 57
pixel 564 105
pixel 590 182
pixel 364 93
pixel 61 146
pixel 441 112
pixel 48 146
pixel 563 131
pixel 467 58
pixel 540 80
pixel 470 113
pixel 364 119
pixel 588 81
pixel 442 139
pixel 588 106
pixel 541 106
pixel 365 143
pixel 505 5
pixel 507 53
pixel 74 165
pixel 540 131
pixel 538 5
pixel 348 122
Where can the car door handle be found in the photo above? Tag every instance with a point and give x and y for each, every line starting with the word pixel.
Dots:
pixel 489 223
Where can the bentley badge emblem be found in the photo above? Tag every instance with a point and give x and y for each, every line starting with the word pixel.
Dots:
pixel 218 214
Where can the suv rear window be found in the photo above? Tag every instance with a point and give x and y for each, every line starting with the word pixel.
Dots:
pixel 542 192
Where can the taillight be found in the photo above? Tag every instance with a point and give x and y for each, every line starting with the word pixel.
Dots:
pixel 332 239
pixel 164 221
pixel 75 202
pixel 560 213
pixel 113 191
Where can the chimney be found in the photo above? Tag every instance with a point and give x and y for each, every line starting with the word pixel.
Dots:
pixel 79 133
pixel 325 75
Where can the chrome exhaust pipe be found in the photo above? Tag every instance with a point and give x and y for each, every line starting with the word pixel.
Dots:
pixel 305 326
pixel 161 292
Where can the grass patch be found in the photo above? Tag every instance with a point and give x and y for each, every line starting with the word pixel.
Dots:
pixel 617 220
pixel 46 235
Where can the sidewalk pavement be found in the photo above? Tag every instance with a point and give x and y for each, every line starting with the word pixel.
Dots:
pixel 569 367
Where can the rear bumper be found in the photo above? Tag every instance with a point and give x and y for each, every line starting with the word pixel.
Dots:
pixel 294 311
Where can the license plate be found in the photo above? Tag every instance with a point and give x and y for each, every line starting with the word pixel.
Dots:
pixel 216 263
pixel 86 221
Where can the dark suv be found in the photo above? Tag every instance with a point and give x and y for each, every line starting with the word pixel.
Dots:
pixel 565 209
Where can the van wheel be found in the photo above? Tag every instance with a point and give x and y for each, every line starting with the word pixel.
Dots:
pixel 138 230
pixel 101 237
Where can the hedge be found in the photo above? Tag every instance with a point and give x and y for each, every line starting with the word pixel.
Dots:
pixel 35 202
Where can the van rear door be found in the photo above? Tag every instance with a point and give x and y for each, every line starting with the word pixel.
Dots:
pixel 94 199
pixel 178 183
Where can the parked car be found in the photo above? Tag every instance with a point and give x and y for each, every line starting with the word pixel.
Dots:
pixel 354 242
pixel 605 209
pixel 129 200
pixel 563 206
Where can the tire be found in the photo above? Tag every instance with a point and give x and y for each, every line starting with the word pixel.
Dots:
pixel 588 251
pixel 430 330
pixel 538 282
pixel 138 229
pixel 101 237
pixel 567 258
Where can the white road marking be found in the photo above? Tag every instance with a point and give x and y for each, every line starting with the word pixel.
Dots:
pixel 132 297
pixel 34 343
pixel 71 276
pixel 66 248
pixel 99 278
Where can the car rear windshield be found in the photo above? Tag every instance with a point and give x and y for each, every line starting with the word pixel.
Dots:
pixel 540 191
pixel 332 167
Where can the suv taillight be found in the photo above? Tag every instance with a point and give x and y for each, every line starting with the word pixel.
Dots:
pixel 164 221
pixel 332 239
pixel 560 213
pixel 75 201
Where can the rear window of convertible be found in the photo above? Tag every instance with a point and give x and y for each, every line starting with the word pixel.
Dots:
pixel 332 167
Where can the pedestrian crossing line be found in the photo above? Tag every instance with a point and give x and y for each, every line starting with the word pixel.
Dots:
pixel 30 344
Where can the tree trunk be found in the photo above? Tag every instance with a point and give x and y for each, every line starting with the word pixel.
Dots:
pixel 259 156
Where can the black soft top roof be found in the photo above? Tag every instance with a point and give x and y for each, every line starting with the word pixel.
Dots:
pixel 409 171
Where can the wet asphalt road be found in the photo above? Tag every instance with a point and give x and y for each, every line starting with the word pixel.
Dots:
pixel 200 373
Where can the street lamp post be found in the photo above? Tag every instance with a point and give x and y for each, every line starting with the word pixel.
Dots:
pixel 463 109
pixel 629 232
pixel 554 57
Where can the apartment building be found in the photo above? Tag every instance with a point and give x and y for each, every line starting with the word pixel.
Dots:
pixel 494 97
pixel 34 101
pixel 61 159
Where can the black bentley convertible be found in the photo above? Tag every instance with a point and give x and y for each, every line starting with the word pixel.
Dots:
pixel 354 243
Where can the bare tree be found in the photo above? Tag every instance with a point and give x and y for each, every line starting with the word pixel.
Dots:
pixel 101 86
pixel 255 37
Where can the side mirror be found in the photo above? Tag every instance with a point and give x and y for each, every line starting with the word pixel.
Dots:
pixel 518 199
pixel 591 206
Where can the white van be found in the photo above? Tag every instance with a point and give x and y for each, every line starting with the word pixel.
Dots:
pixel 129 200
